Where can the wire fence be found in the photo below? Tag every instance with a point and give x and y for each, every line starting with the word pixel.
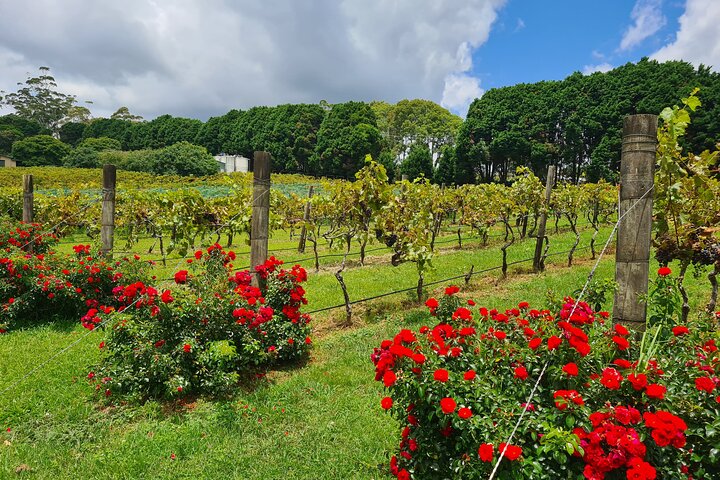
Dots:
pixel 71 345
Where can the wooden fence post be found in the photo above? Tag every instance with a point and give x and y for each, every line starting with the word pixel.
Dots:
pixel 538 260
pixel 260 212
pixel 306 217
pixel 28 199
pixel 107 230
pixel 632 257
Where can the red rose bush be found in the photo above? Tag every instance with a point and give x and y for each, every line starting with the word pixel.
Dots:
pixel 41 284
pixel 607 406
pixel 198 335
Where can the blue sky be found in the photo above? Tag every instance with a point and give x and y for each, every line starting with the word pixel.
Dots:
pixel 548 40
pixel 200 58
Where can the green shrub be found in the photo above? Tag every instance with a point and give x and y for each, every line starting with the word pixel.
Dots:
pixel 40 150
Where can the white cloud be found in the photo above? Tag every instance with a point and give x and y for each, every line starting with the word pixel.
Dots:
pixel 199 58
pixel 698 40
pixel 648 19
pixel 520 24
pixel 602 67
pixel 459 92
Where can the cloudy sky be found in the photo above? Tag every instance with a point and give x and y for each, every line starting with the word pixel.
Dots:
pixel 199 58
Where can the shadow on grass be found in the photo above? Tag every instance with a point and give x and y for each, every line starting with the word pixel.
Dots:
pixel 251 381
pixel 56 323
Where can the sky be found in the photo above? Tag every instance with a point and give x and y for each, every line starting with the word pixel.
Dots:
pixel 201 58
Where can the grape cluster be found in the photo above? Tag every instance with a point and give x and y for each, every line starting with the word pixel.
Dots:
pixel 707 255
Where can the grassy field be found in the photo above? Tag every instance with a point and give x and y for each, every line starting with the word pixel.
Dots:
pixel 317 420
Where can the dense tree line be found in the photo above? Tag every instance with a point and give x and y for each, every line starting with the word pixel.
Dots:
pixel 576 123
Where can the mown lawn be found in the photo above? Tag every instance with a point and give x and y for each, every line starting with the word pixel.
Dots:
pixel 317 420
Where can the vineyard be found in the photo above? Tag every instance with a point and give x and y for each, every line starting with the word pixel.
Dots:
pixel 142 343
pixel 409 221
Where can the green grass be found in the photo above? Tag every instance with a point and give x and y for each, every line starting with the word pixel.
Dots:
pixel 319 420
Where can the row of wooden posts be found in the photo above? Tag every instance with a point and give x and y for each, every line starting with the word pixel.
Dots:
pixel 634 230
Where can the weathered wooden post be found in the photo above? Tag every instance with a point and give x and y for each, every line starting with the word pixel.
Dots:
pixel 107 230
pixel 632 257
pixel 404 177
pixel 260 212
pixel 28 198
pixel 306 217
pixel 538 260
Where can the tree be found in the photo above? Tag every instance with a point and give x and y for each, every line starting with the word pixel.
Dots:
pixel 387 160
pixel 77 114
pixel 38 101
pixel 576 123
pixel 418 162
pixel 108 127
pixel 101 144
pixel 183 158
pixel 347 134
pixel 72 133
pixel 87 154
pixel 40 150
pixel 27 127
pixel 8 135
pixel 123 113
pixel 445 172
pixel 421 121
pixel 82 157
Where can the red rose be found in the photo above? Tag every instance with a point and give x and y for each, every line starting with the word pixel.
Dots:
pixel 500 335
pixel 535 343
pixel 464 413
pixel 447 405
pixel 621 330
pixel 159 343
pixel 570 369
pixel 655 391
pixel 452 289
pixel 621 342
pixel 704 384
pixel 680 330
pixel 187 347
pixel 431 303
pixel 611 378
pixel 469 375
pixel 664 271
pixel 418 358
pixel 512 452
pixel 521 373
pixel 554 342
pixel 486 452
pixel 181 277
pixel 640 470
pixel 638 381
pixel 441 375
pixel 166 297
pixel 386 403
pixel 389 378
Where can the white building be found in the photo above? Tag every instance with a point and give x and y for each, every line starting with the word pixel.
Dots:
pixel 232 163
pixel 7 162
